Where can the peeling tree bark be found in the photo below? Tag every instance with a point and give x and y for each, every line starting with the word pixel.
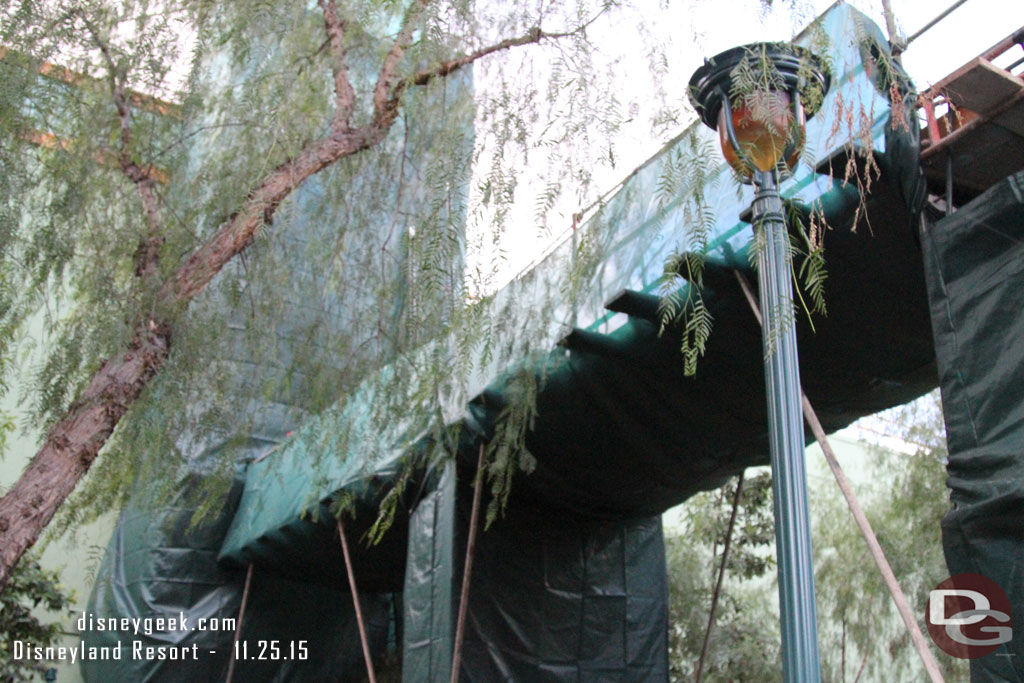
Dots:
pixel 72 445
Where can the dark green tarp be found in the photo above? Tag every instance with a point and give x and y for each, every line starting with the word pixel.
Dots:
pixel 554 596
pixel 159 566
pixel 570 585
pixel 599 402
pixel 974 261
pixel 294 332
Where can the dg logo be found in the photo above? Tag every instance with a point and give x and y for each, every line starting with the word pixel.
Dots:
pixel 969 616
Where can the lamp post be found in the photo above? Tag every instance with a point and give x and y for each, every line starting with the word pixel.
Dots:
pixel 758 97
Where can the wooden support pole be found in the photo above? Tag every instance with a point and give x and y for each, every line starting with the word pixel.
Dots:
pixel 902 606
pixel 930 665
pixel 896 44
pixel 460 628
pixel 355 601
pixel 718 583
pixel 238 626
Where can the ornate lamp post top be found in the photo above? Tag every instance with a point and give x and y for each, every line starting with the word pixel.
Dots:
pixel 758 97
pixel 769 90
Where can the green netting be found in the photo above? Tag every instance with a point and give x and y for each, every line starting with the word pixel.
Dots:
pixel 620 434
pixel 594 405
pixel 292 336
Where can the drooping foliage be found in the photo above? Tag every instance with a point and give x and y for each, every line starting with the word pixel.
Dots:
pixel 905 505
pixel 745 641
pixel 132 133
pixel 32 589
pixel 862 638
pixel 136 131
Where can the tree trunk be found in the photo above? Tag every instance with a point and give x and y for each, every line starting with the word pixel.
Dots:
pixel 72 444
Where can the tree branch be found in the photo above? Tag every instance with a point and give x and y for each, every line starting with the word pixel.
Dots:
pixel 116 87
pixel 533 36
pixel 73 443
pixel 445 68
pixel 148 253
pixel 383 100
pixel 238 232
pixel 344 95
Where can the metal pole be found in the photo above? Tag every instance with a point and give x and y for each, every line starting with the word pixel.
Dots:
pixel 949 183
pixel 902 606
pixel 786 436
pixel 934 21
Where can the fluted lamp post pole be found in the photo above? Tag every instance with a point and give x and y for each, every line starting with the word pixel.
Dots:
pixel 758 98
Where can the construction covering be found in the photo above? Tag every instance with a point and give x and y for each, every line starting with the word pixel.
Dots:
pixel 295 330
pixel 159 566
pixel 570 584
pixel 974 261
pixel 577 600
pixel 607 382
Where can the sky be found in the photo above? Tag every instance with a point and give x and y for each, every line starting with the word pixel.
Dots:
pixel 695 29
pixel 969 30
pixel 965 33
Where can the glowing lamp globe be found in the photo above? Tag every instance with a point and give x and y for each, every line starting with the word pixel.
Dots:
pixel 762 129
pixel 758 97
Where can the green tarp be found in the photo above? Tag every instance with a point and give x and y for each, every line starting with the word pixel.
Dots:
pixel 596 404
pixel 576 600
pixel 975 265
pixel 158 566
pixel 295 331
pixel 571 583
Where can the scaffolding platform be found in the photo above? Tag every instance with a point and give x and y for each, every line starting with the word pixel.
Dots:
pixel 979 139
